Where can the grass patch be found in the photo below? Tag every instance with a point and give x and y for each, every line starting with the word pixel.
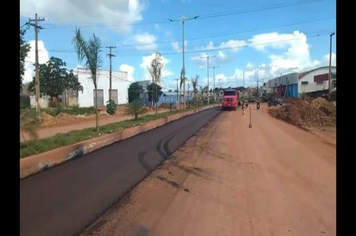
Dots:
pixel 59 140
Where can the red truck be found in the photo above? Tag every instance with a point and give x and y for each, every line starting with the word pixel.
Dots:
pixel 230 99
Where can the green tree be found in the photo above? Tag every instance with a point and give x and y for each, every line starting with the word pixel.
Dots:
pixel 55 79
pixel 135 89
pixel 24 49
pixel 89 51
pixel 195 81
pixel 135 108
pixel 182 80
pixel 154 92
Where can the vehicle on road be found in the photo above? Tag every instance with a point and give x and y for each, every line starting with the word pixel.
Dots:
pixel 258 104
pixel 230 99
pixel 275 102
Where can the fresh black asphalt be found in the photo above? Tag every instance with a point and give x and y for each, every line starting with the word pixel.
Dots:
pixel 66 199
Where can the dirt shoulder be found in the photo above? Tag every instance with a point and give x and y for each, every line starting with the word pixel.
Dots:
pixel 271 179
pixel 67 123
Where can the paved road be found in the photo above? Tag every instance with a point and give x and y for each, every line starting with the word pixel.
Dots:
pixel 271 179
pixel 66 199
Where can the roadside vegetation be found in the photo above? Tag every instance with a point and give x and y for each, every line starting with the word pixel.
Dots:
pixel 37 146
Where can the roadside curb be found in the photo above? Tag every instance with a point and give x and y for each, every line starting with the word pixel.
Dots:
pixel 39 162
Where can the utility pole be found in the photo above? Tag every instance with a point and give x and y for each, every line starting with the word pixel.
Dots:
pixel 331 36
pixel 183 20
pixel 207 67
pixel 110 55
pixel 177 91
pixel 214 81
pixel 37 83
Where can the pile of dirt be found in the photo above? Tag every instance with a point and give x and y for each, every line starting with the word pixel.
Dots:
pixel 302 113
pixel 164 106
pixel 47 119
pixel 64 118
pixel 103 113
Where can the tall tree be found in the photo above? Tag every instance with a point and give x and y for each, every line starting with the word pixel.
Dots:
pixel 24 49
pixel 135 89
pixel 90 52
pixel 55 79
pixel 182 79
pixel 156 68
pixel 195 81
pixel 154 92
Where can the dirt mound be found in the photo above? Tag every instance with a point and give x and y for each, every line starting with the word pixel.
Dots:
pixel 319 112
pixel 103 113
pixel 47 119
pixel 322 104
pixel 164 106
pixel 64 118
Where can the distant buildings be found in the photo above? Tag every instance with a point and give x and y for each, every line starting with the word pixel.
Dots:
pixel 313 83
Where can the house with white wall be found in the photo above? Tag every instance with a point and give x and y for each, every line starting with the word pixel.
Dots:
pixel 120 84
pixel 316 81
pixel 311 82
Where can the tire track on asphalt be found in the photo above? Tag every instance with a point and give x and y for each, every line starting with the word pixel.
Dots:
pixel 65 199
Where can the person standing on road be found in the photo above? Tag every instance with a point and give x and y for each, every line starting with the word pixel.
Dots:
pixel 243 107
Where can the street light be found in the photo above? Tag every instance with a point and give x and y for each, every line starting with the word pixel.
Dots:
pixel 331 36
pixel 214 80
pixel 183 47
pixel 207 67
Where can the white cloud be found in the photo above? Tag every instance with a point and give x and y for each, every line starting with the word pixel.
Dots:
pixel 43 57
pixel 219 59
pixel 146 61
pixel 233 45
pixel 177 48
pixel 130 71
pixel 145 41
pixel 97 12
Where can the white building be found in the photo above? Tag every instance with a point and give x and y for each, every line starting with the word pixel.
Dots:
pixel 120 85
pixel 316 80
pixel 312 82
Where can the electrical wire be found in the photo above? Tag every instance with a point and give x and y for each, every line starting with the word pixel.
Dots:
pixel 315 34
pixel 201 16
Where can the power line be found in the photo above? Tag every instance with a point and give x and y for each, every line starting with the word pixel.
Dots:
pixel 130 54
pixel 227 33
pixel 202 16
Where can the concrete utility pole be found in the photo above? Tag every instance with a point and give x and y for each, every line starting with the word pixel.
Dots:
pixel 37 83
pixel 214 80
pixel 207 67
pixel 331 37
pixel 183 20
pixel 110 55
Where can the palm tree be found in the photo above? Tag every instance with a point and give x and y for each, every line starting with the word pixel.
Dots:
pixel 182 80
pixel 155 70
pixel 195 85
pixel 89 51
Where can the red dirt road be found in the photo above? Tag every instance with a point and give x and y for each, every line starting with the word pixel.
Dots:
pixel 229 179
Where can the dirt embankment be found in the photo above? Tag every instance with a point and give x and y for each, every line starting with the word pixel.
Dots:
pixel 306 113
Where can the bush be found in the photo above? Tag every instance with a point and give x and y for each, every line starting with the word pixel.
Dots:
pixel 25 102
pixel 135 108
pixel 110 107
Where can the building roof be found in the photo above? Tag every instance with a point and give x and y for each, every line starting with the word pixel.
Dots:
pixel 302 74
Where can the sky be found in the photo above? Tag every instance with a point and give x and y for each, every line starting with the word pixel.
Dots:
pixel 247 41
